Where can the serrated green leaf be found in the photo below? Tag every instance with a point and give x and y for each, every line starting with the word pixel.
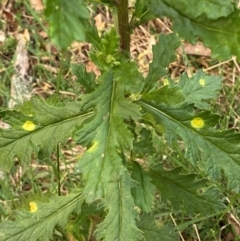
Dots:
pixel 93 38
pixel 87 80
pixel 78 227
pixel 141 14
pixel 39 223
pixel 68 20
pixel 154 232
pixel 218 148
pixel 130 77
pixel 217 26
pixel 198 89
pixel 105 135
pixel 144 144
pixel 169 96
pixel 144 190
pixel 37 125
pixel 119 224
pixel 181 190
pixel 199 9
pixel 163 55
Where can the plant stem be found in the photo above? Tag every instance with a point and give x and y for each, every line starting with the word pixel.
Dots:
pixel 58 170
pixel 123 26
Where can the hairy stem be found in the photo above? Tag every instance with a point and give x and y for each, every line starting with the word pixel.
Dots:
pixel 123 26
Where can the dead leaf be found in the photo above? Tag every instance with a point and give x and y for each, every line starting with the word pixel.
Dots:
pixel 197 49
pixel 91 67
pixel 37 5
pixel 49 68
pixel 8 15
pixel 21 62
pixel 2 36
pixel 20 81
pixel 99 22
pixel 234 221
pixel 3 5
pixel 43 34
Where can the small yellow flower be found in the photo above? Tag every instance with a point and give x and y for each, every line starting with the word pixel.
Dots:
pixel 28 126
pixel 33 207
pixel 197 123
pixel 202 82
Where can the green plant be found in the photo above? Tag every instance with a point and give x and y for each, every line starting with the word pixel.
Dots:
pixel 122 119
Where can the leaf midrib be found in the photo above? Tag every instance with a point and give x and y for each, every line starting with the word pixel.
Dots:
pixel 189 129
pixel 75 199
pixel 39 129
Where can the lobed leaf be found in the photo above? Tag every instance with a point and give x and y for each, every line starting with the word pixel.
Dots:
pixel 37 126
pixel 198 89
pixel 216 25
pixel 218 148
pixel 141 14
pixel 106 135
pixel 163 55
pixel 130 78
pixel 93 38
pixel 154 232
pixel 181 190
pixel 119 224
pixel 169 96
pixel 87 80
pixel 38 223
pixel 198 10
pixel 143 145
pixel 68 20
pixel 144 190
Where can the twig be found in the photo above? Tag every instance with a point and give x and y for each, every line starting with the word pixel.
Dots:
pixel 235 62
pixel 217 65
pixel 177 227
pixel 195 228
